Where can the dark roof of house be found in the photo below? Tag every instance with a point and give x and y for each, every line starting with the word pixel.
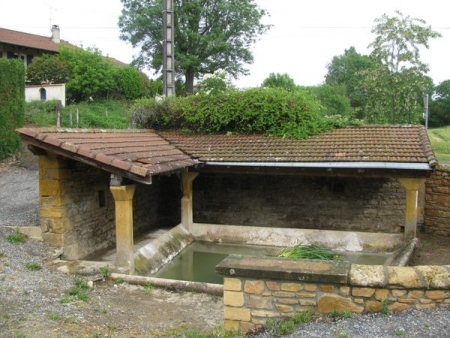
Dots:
pixel 28 40
pixel 399 144
pixel 140 153
pixel 143 153
pixel 40 42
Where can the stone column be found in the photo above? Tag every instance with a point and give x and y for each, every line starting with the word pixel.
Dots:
pixel 186 201
pixel 53 199
pixel 412 186
pixel 123 197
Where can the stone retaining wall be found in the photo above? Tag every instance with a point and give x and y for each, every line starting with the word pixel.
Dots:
pixel 437 202
pixel 258 289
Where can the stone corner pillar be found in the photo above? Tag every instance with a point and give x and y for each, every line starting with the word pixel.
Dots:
pixel 412 186
pixel 123 197
pixel 186 201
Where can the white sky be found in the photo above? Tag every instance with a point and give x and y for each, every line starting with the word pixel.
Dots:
pixel 303 40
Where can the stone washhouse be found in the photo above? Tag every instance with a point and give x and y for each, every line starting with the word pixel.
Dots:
pixel 354 188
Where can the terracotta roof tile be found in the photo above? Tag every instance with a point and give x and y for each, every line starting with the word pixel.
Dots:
pixel 27 40
pixel 405 144
pixel 141 152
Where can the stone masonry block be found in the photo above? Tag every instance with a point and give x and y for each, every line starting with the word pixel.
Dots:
pixel 53 239
pixel 405 277
pixel 363 292
pixel 367 275
pixel 239 314
pixel 310 287
pixel 329 303
pixel 437 277
pixel 326 288
pixel 49 188
pixel 293 287
pixel 437 294
pixel 254 287
pixel 233 298
pixel 381 294
pixel 231 325
pixel 258 302
pixel 232 284
pixel 273 286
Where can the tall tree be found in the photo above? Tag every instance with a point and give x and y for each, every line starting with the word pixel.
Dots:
pixel 392 86
pixel 276 80
pixel 209 35
pixel 347 69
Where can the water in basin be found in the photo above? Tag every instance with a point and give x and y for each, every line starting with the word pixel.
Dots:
pixel 198 260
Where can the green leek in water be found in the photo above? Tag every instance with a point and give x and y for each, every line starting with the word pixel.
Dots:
pixel 307 252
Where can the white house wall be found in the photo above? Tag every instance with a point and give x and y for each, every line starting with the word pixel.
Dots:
pixel 53 92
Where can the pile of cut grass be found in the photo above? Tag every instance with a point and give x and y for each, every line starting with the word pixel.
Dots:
pixel 301 251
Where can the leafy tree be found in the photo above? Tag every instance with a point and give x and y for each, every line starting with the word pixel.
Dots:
pixel 439 109
pixel 214 83
pixel 209 35
pixel 91 75
pixel 47 69
pixel 276 80
pixel 333 100
pixel 393 85
pixel 347 70
pixel 128 82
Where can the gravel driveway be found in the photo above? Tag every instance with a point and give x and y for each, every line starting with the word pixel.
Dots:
pixel 36 300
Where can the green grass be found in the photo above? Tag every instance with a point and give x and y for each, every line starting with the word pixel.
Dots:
pixel 33 266
pixel 284 327
pixel 107 114
pixel 440 141
pixel 16 237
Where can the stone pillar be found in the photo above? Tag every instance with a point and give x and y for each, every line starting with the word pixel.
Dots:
pixel 186 201
pixel 123 197
pixel 412 186
pixel 53 200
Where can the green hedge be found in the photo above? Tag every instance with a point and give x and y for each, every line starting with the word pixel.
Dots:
pixel 269 111
pixel 12 98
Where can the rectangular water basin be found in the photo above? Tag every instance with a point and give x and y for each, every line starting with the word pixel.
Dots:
pixel 197 262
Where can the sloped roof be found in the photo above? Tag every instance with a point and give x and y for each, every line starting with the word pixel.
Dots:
pixel 394 144
pixel 139 153
pixel 143 153
pixel 28 40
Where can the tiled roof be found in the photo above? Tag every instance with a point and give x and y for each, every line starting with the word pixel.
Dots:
pixel 143 153
pixel 400 144
pixel 27 40
pixel 139 152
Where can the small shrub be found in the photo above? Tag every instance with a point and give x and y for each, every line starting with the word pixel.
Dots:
pixel 105 271
pixel 81 284
pixel 284 327
pixel 16 237
pixel 339 314
pixel 385 307
pixel 119 280
pixel 53 316
pixel 33 266
pixel 2 255
pixel 148 288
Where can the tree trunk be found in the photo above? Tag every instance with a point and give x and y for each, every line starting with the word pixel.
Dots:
pixel 189 84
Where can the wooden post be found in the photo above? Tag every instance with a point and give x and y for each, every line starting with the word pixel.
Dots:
pixel 58 113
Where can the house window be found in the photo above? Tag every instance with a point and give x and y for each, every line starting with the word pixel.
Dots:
pixel 43 94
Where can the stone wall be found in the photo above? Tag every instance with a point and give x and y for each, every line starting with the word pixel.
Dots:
pixel 77 207
pixel 275 293
pixel 358 204
pixel 437 202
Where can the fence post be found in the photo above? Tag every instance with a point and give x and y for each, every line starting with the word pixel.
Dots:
pixel 58 113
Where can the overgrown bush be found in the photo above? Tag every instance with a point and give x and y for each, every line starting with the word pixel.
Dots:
pixel 129 84
pixel 12 92
pixel 269 111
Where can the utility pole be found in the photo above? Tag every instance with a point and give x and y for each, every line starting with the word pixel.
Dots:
pixel 425 113
pixel 168 49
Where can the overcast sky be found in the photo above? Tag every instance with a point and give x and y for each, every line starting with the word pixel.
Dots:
pixel 303 40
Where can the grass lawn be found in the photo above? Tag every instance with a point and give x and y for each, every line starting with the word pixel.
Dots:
pixel 440 140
